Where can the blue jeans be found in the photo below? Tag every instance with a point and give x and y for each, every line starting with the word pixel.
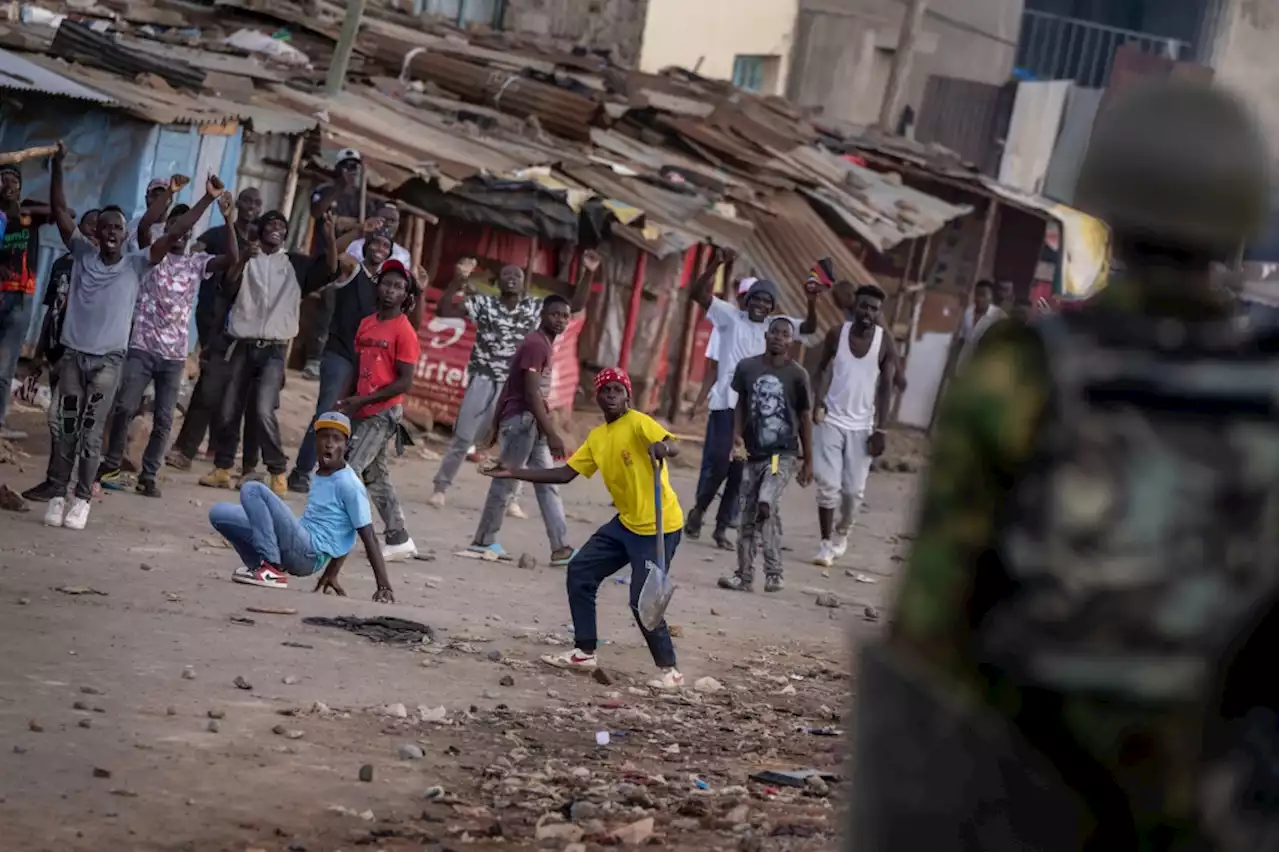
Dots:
pixel 716 453
pixel 78 417
pixel 335 378
pixel 263 529
pixel 13 328
pixel 611 548
pixel 141 369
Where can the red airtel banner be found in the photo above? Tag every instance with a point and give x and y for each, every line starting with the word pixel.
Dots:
pixel 441 376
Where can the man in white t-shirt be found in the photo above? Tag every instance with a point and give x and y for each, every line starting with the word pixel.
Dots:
pixel 740 334
pixel 981 314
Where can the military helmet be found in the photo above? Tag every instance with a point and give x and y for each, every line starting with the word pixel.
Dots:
pixel 1178 163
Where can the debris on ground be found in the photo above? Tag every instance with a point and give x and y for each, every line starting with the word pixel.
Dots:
pixel 384 629
pixel 79 590
pixel 241 683
pixel 828 600
pixel 272 610
pixel 12 501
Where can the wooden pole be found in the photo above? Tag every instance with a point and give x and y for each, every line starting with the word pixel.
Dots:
pixel 900 71
pixel 417 238
pixel 12 158
pixel 291 182
pixel 437 246
pixel 633 311
pixel 988 237
pixel 337 76
pixel 692 270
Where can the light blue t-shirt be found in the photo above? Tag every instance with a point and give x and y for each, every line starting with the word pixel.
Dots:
pixel 337 506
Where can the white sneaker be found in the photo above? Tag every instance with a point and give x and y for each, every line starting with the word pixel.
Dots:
pixel 671 679
pixel 54 511
pixel 402 552
pixel 826 555
pixel 574 659
pixel 436 501
pixel 514 511
pixel 77 515
pixel 839 545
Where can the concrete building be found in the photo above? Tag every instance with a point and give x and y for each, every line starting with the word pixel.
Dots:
pixel 1245 57
pixel 748 42
pixel 844 49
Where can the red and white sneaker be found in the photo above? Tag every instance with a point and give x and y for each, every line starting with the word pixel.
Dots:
pixel 670 679
pixel 266 575
pixel 574 659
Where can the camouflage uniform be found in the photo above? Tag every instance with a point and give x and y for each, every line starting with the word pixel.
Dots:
pixel 1083 543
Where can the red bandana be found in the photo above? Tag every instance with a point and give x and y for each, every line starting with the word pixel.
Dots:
pixel 612 374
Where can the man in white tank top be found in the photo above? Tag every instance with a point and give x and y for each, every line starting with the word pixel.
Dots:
pixel 855 384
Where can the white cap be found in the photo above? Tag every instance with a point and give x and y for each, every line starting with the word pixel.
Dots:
pixel 348 154
pixel 746 284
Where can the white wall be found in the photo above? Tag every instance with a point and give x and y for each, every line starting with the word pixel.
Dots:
pixel 679 32
pixel 1245 58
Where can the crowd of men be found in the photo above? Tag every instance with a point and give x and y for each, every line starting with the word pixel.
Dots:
pixel 121 302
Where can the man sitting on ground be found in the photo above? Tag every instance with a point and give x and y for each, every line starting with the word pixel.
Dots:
pixel 272 543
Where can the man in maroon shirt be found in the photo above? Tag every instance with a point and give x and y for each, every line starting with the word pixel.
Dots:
pixel 526 435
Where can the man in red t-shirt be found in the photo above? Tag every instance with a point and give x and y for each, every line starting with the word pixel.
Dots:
pixel 386 355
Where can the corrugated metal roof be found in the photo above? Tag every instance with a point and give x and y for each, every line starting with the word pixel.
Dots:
pixel 786 246
pixel 879 209
pixel 18 72
pixel 166 106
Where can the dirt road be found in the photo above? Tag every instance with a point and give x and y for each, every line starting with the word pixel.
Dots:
pixel 105 743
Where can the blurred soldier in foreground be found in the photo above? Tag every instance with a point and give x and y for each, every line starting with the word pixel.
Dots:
pixel 1082 652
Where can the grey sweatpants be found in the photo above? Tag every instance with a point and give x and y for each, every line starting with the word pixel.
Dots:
pixel 840 469
pixel 761 485
pixel 521 444
pixel 475 413
pixel 368 457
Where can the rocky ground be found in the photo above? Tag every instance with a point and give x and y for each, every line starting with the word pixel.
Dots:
pixel 145 705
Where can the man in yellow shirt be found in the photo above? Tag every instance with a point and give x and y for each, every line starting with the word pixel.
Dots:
pixel 625 450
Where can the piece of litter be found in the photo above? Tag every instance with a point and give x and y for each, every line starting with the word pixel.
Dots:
pixel 602 738
pixel 272 610
pixel 79 590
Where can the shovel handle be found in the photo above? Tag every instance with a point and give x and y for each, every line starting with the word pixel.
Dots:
pixel 659 534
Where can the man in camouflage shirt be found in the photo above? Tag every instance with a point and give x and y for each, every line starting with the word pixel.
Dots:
pixel 1081 657
pixel 502 322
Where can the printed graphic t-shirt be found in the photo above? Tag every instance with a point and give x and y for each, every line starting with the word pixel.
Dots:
pixel 337 506
pixel 162 320
pixel 620 451
pixel 380 344
pixel 775 398
pixel 19 248
pixel 499 332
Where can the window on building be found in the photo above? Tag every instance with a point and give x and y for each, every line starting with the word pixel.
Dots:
pixel 748 72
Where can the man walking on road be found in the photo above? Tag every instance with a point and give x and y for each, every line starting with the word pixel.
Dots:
pixel 502 321
pixel 855 384
pixel 527 437
pixel 772 427
pixel 742 335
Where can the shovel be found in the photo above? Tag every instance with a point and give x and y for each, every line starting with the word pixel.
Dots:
pixel 657 590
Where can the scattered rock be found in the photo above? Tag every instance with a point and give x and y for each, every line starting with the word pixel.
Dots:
pixel 188 673
pixel 288 733
pixel 601 677
pixel 575 847
pixel 366 773
pixel 526 562
pixel 495 656
pixel 676 631
pixel 434 793
pixel 23 601
pixel 99 772
pixel 738 815
pixel 90 690
pixel 290 680
pixel 409 751
pixel 320 709
pixel 10 500
pixel 86 723
pixel 213 727
pixel 787 690
pixel 35 727
pixel 147 567
pixel 216 713
pixel 715 611
pixel 120 791
pixel 395 711
pixel 551 693
pixel 828 600
pixel 507 680
pixel 171 711
pixel 582 811
pixel 559 831
pixel 432 714
pixel 80 705
pixel 816 786
pixel 707 684
pixel 635 834
pixel 79 590
pixel 241 683
pixel 242 620
pixel 19 749
pixel 870 613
